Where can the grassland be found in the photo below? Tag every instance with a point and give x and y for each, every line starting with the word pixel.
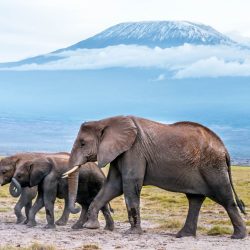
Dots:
pixel 166 209
pixel 162 210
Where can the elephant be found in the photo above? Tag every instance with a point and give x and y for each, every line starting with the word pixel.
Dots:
pixel 8 165
pixel 184 157
pixel 46 173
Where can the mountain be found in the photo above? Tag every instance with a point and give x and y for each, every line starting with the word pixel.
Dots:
pixel 163 34
pixel 155 33
pixel 195 73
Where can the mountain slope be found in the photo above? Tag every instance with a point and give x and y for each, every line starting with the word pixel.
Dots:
pixel 155 33
pixel 161 34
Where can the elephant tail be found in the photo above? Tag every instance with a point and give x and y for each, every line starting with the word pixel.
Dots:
pixel 110 208
pixel 239 202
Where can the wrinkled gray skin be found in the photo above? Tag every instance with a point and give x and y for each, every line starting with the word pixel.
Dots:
pixel 182 157
pixel 46 173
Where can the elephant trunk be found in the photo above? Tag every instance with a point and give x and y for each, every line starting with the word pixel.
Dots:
pixel 15 188
pixel 73 187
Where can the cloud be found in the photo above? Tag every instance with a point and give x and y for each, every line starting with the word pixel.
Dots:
pixel 238 37
pixel 181 62
pixel 214 67
pixel 160 77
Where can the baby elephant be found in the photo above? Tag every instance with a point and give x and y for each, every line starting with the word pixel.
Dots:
pixel 8 166
pixel 46 172
pixel 7 169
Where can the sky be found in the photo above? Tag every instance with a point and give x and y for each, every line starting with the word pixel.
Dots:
pixel 29 28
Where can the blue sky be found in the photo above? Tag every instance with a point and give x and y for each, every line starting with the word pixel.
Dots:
pixel 29 27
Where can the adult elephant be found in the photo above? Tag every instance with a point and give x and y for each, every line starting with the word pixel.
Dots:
pixel 182 157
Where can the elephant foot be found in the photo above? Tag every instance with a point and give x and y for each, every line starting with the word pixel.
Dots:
pixel 240 235
pixel 77 226
pixel 26 221
pixel 50 226
pixel 31 223
pixel 183 233
pixel 61 222
pixel 20 219
pixel 134 230
pixel 109 223
pixel 109 227
pixel 92 224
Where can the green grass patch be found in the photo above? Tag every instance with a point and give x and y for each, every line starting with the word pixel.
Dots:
pixel 170 223
pixel 218 230
pixel 220 222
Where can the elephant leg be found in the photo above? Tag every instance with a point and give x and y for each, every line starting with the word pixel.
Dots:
pixel 39 203
pixel 190 226
pixel 133 172
pixel 30 194
pixel 27 210
pixel 111 189
pixel 24 201
pixel 65 216
pixel 239 226
pixel 240 231
pixel 108 218
pixel 49 197
pixel 221 192
pixel 82 219
pixel 132 190
pixel 18 211
pixel 225 198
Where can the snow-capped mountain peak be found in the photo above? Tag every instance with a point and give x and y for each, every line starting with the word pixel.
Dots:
pixel 156 33
pixel 161 30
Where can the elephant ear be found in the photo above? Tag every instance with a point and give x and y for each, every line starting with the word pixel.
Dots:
pixel 39 169
pixel 117 136
pixel 11 161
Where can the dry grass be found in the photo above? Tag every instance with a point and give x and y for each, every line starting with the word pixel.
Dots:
pixel 34 246
pixel 90 247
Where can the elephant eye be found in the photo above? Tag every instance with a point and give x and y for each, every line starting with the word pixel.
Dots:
pixel 82 143
pixel 4 171
pixel 19 176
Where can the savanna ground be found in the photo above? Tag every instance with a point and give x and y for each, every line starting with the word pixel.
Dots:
pixel 163 213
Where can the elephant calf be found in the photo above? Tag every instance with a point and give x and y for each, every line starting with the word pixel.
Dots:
pixel 46 173
pixel 7 169
pixel 8 166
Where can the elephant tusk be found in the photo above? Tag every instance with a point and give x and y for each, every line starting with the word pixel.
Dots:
pixel 65 176
pixel 71 171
